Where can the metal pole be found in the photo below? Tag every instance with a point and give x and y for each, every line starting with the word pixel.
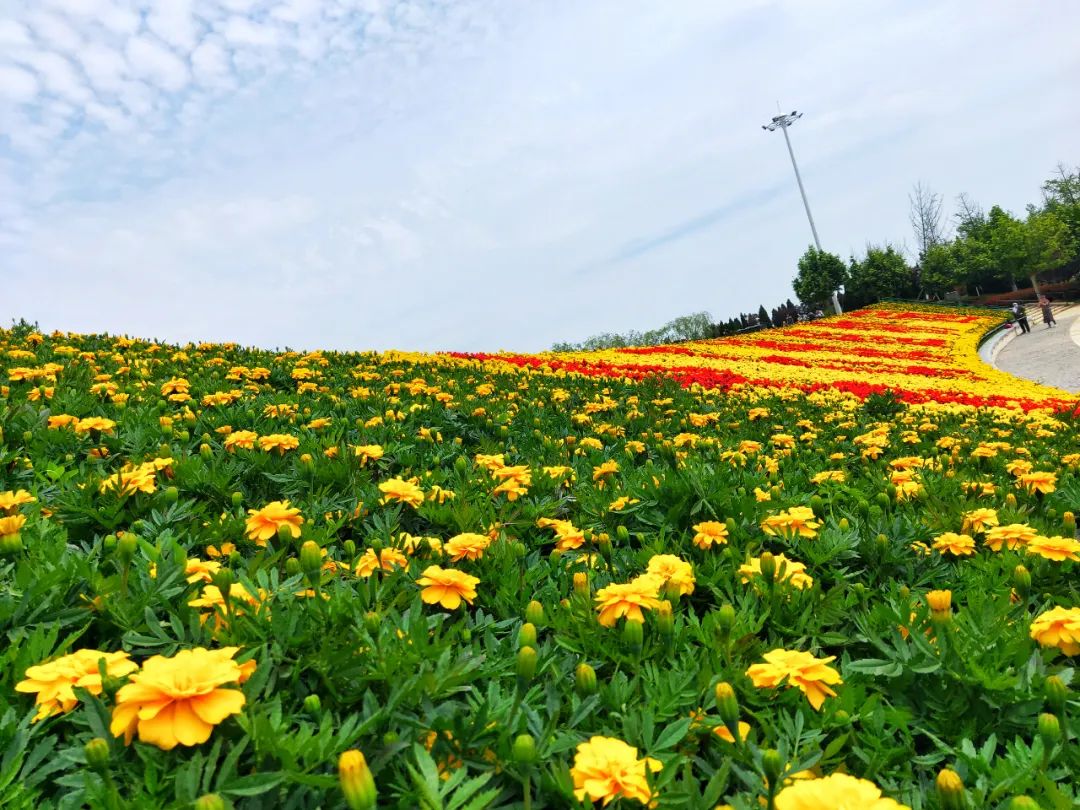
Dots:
pixel 806 205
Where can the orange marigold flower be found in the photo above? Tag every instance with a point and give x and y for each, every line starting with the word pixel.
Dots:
pixel 1012 535
pixel 244 439
pixel 607 769
pixel 1055 548
pixel 178 700
pixel 278 441
pixel 1058 627
pixel 388 559
pixel 98 423
pixel 54 680
pixel 959 545
pixel 709 532
pixel 838 790
pixel 368 452
pixel 790 571
pixel 264 523
pixel 627 599
pixel 978 520
pixel 395 489
pixel 1041 482
pixel 466 546
pixel 673 571
pixel 447 587
pixel 812 676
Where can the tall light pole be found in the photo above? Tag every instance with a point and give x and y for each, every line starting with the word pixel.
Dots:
pixel 782 122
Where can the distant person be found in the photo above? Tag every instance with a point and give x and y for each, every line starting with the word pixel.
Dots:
pixel 1047 312
pixel 1020 316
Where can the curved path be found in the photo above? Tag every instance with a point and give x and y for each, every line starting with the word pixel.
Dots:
pixel 1047 356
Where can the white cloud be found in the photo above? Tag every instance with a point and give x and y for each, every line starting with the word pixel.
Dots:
pixel 154 62
pixel 17 84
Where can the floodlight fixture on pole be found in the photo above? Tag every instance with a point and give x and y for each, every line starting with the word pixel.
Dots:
pixel 782 122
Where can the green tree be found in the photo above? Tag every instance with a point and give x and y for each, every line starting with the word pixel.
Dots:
pixel 1049 244
pixel 763 317
pixel 940 269
pixel 882 273
pixel 1008 245
pixel 1061 196
pixel 820 275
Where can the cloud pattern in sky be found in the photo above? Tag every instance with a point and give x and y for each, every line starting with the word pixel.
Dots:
pixel 428 174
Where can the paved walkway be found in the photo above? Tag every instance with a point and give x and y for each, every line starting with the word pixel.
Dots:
pixel 1047 356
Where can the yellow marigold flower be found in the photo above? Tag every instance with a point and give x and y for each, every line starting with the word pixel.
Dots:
pixel 783 441
pixel 795 522
pixel 388 559
pixel 1055 548
pixel 607 769
pixel 224 551
pixel 195 570
pixel 709 532
pixel 1012 535
pixel 605 469
pixel 466 546
pixel 244 439
pixel 447 587
pixel 978 520
pixel 959 545
pixel 11 525
pixel 635 447
pixel 838 791
pixel 627 599
pixel 761 495
pixel 567 535
pixel 1058 627
pixel 939 601
pixel 396 489
pixel 812 676
pixel 619 504
pixel 790 571
pixel 128 482
pixel 278 441
pixel 1040 482
pixel 725 734
pixel 837 476
pixel 672 571
pixel 754 414
pixel 54 681
pixel 368 452
pixel 98 423
pixel 266 522
pixel 178 701
pixel 320 423
pixel 61 420
pixel 213 599
pixel 12 500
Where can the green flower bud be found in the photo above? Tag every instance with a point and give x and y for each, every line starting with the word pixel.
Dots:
pixel 97 754
pixel 284 533
pixel 292 566
pixel 372 620
pixel 950 790
pixel 729 524
pixel 206 451
pixel 1057 694
pixel 527 635
pixel 768 566
pixel 1068 523
pixel 1023 803
pixel 313 705
pixel 524 749
pixel 1021 580
pixel 772 765
pixel 665 621
pixel 390 737
pixel 126 546
pixel 310 559
pixel 357 783
pixel 604 545
pixel 526 665
pixel 349 546
pixel 882 499
pixel 172 494
pixel 237 499
pixel 585 680
pixel 633 634
pixel 725 621
pixel 534 613
pixel 212 801
pixel 11 543
pixel 844 524
pixel 728 707
pixel 223 581
pixel 622 533
pixel 818 505
pixel 1049 730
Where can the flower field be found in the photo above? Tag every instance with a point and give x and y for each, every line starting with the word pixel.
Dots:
pixel 735 573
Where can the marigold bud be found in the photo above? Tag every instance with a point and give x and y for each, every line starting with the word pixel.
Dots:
pixel 372 620
pixel 534 613
pixel 585 680
pixel 524 749
pixel 172 494
pixel 772 765
pixel 1068 522
pixel 665 620
pixel 768 566
pixel 729 524
pixel 844 524
pixel 97 754
pixel 11 543
pixel 292 566
pixel 1021 580
pixel 728 706
pixel 817 505
pixel 581 584
pixel 622 533
pixel 1010 500
pixel 1049 729
pixel 237 499
pixel 950 790
pixel 526 665
pixel 126 546
pixel 211 801
pixel 604 544
pixel 725 621
pixel 206 451
pixel 313 704
pixel 633 634
pixel 284 533
pixel 310 558
pixel 527 635
pixel 1023 803
pixel 349 547
pixel 223 581
pixel 357 783
pixel 883 499
pixel 1057 694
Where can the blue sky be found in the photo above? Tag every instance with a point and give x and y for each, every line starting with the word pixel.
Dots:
pixel 466 174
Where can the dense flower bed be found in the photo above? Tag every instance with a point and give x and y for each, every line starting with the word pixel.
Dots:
pixel 922 354
pixel 322 580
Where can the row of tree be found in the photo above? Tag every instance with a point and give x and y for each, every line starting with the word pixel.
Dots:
pixel 982 252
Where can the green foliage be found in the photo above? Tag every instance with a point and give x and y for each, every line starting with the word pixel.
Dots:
pixel 820 275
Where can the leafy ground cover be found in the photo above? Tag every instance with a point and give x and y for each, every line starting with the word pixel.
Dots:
pixel 322 580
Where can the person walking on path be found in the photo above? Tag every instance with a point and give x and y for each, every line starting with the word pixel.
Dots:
pixel 1020 316
pixel 1047 312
